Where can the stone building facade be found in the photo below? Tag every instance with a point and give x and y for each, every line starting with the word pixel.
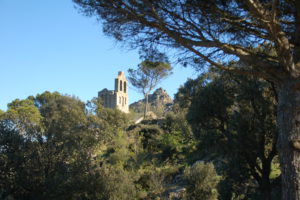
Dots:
pixel 117 98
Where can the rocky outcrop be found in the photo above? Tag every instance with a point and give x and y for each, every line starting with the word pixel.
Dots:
pixel 159 102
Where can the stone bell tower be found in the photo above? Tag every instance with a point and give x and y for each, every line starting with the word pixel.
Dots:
pixel 121 91
pixel 117 98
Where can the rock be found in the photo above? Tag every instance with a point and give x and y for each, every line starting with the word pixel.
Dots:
pixel 159 102
pixel 177 193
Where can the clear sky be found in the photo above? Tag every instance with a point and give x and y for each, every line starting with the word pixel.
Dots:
pixel 47 45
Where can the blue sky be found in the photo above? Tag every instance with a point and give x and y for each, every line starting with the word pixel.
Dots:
pixel 47 45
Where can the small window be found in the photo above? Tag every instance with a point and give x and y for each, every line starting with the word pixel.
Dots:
pixel 124 86
pixel 121 85
pixel 125 100
pixel 120 101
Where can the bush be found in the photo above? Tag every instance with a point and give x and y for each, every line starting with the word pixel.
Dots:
pixel 117 184
pixel 202 181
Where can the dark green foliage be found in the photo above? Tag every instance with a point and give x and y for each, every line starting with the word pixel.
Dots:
pixel 234 119
pixel 54 146
pixel 207 34
pixel 117 184
pixel 202 181
pixel 151 135
pixel 47 147
pixel 177 142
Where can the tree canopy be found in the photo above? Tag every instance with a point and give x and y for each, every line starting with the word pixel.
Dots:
pixel 147 76
pixel 234 116
pixel 213 32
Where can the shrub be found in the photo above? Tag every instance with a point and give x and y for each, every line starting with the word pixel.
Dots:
pixel 202 181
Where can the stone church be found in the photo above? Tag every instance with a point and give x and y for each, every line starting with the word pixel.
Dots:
pixel 117 98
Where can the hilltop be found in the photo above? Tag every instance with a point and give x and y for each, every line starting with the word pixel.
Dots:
pixel 159 103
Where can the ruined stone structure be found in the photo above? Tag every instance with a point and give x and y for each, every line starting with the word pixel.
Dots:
pixel 117 98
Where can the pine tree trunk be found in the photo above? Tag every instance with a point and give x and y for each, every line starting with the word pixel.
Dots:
pixel 265 184
pixel 266 189
pixel 289 139
pixel 146 106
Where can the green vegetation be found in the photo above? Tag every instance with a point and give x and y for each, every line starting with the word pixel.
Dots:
pixel 146 77
pixel 202 182
pixel 263 35
pixel 234 118
pixel 217 142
